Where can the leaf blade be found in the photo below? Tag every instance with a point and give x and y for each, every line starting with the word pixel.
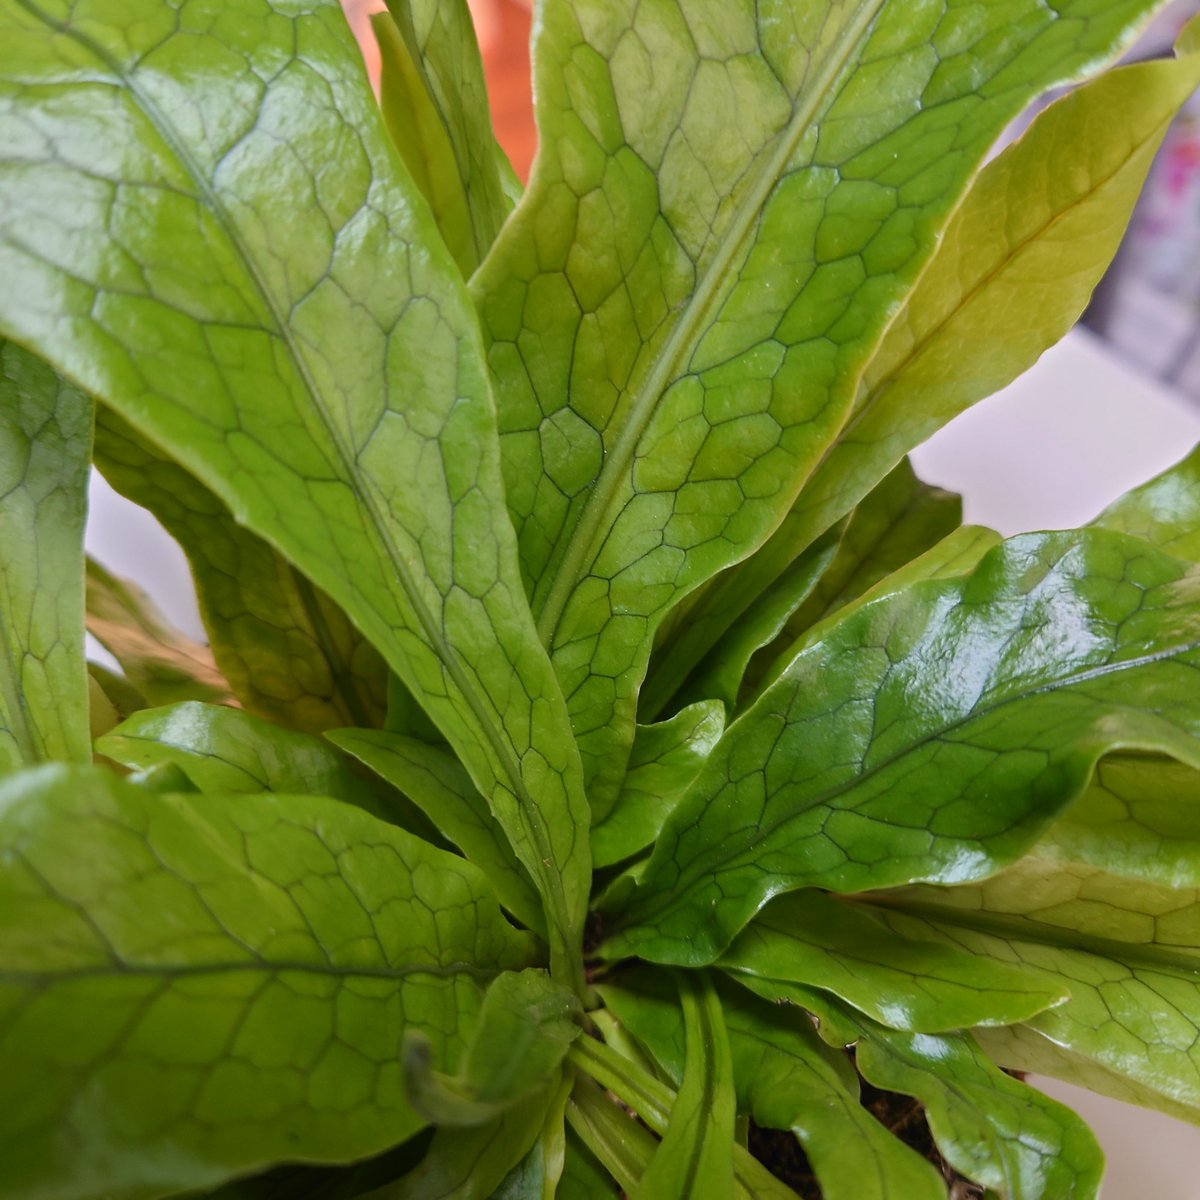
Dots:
pixel 280 926
pixel 1045 236
pixel 45 448
pixel 257 370
pixel 1101 671
pixel 678 331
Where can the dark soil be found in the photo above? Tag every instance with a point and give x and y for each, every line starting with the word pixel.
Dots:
pixel 781 1153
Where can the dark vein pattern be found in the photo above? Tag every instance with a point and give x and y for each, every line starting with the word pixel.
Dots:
pixel 730 201
pixel 235 264
pixel 931 735
pixel 45 448
pixel 193 987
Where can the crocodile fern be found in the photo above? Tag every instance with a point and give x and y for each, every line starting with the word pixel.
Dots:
pixel 598 716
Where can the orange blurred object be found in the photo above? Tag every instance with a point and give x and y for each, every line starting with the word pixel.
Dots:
pixel 503 30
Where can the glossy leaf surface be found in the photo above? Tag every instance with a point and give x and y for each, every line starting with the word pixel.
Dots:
pixel 1139 819
pixel 808 937
pixel 726 209
pixel 1127 947
pixel 288 652
pixel 990 1127
pixel 195 986
pixel 285 280
pixel 864 765
pixel 45 443
pixel 1015 268
pixel 226 750
pixel 897 522
pixel 1165 511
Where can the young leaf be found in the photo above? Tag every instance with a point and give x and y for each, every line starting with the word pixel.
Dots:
pixel 900 520
pixel 294 333
pixel 161 664
pixel 225 750
pixel 694 1158
pixel 197 986
pixel 524 1027
pixel 725 211
pixel 470 1163
pixel 654 1102
pixel 622 1145
pixel 808 937
pixel 538 1174
pixel 664 760
pixel 787 1079
pixel 45 443
pixel 439 785
pixel 288 652
pixel 865 764
pixel 1165 511
pixel 1015 268
pixel 990 1127
pixel 583 1177
pixel 434 100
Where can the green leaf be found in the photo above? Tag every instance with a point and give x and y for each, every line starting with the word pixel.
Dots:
pixel 434 100
pixel 195 987
pixel 225 750
pixel 901 519
pixel 525 1025
pixel 161 664
pixel 808 937
pixel 439 785
pixel 538 1174
pixel 1019 1048
pixel 867 763
pixel 1139 818
pixel 290 328
pixel 728 206
pixel 288 652
pixel 664 760
pixel 654 1102
pixel 1165 511
pixel 990 1127
pixel 694 1158
pixel 721 672
pixel 786 1079
pixel 471 1163
pixel 1126 946
pixel 1015 268
pixel 45 444
pixel 614 1137
pixel 583 1177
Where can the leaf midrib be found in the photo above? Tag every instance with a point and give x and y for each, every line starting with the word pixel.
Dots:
pixel 122 970
pixel 712 289
pixel 500 747
pixel 768 830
